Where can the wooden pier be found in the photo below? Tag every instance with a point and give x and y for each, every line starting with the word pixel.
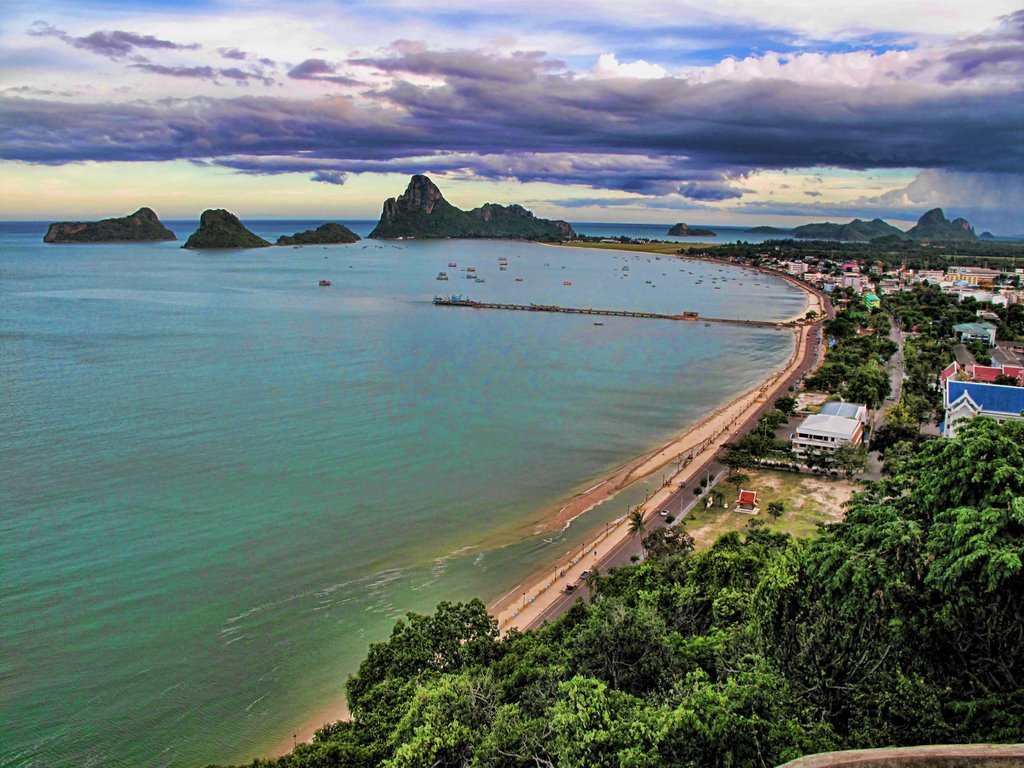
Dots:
pixel 449 301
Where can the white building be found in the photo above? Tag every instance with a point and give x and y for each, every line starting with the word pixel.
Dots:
pixel 822 433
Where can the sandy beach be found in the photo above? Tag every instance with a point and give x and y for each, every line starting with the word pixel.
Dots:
pixel 524 605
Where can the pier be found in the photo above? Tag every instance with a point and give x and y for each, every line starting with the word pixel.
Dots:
pixel 456 301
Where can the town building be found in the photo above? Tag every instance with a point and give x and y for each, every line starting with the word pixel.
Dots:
pixel 967 399
pixel 968 332
pixel 982 373
pixel 846 410
pixel 871 301
pixel 822 433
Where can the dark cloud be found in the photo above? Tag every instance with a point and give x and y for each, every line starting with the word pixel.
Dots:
pixel 464 65
pixel 203 73
pixel 709 190
pixel 517 119
pixel 320 70
pixel 330 177
pixel 233 53
pixel 813 194
pixel 115 45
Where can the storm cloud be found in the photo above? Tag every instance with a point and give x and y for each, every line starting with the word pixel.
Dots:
pixel 115 44
pixel 520 117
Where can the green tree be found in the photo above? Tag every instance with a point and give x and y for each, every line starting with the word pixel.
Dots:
pixel 776 508
pixel 868 384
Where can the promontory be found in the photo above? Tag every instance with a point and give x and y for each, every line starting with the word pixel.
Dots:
pixel 222 229
pixel 422 212
pixel 325 234
pixel 684 230
pixel 141 226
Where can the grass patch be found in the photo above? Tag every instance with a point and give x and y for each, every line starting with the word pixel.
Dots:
pixel 809 500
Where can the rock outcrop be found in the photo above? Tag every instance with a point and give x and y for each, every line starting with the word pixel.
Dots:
pixel 325 234
pixel 684 230
pixel 222 229
pixel 141 226
pixel 934 226
pixel 421 211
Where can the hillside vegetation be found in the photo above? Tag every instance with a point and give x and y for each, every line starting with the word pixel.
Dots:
pixel 901 625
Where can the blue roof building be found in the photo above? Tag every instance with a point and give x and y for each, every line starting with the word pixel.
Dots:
pixel 845 410
pixel 967 399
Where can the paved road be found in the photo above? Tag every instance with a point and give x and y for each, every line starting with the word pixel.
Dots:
pixel 895 367
pixel 683 499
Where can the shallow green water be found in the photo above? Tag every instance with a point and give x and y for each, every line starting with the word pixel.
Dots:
pixel 220 482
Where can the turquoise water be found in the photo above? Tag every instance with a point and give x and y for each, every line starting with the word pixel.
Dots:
pixel 219 482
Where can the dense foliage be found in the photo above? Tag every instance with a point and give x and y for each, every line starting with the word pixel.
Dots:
pixel 222 229
pixel 325 234
pixel 901 625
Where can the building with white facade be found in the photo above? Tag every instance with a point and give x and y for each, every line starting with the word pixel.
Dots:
pixel 823 433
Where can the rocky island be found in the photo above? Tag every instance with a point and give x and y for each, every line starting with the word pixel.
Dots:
pixel 325 234
pixel 422 211
pixel 141 226
pixel 682 230
pixel 222 229
pixel 765 230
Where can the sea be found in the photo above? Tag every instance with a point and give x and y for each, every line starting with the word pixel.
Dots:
pixel 220 481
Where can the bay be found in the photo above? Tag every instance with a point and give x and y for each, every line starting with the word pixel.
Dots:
pixel 219 482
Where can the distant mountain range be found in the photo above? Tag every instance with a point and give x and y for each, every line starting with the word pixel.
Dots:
pixel 422 212
pixel 931 227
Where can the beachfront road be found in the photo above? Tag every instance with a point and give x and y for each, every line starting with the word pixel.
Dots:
pixel 683 499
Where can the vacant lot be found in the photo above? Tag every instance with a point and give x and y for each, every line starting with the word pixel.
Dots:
pixel 809 500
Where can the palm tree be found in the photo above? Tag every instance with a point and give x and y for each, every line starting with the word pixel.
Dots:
pixel 591 580
pixel 637 525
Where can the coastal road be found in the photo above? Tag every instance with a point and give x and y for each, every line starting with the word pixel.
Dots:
pixel 683 499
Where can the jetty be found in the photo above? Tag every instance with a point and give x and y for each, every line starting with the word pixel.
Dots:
pixel 459 301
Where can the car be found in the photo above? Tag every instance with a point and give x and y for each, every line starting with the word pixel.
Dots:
pixel 570 588
pixel 663 513
pixel 584 574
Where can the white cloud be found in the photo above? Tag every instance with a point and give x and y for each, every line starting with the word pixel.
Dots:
pixel 609 66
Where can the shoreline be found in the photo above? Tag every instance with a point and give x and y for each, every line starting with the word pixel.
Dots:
pixel 698 442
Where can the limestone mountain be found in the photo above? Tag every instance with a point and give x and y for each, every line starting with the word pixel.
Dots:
pixel 421 211
pixel 141 226
pixel 935 226
pixel 222 229
pixel 325 234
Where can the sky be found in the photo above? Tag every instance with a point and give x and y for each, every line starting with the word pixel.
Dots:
pixel 738 112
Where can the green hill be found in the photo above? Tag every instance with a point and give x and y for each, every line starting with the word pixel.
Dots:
pixel 325 234
pixel 856 230
pixel 141 226
pixel 685 230
pixel 421 211
pixel 222 229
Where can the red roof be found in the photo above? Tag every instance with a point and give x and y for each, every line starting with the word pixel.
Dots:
pixel 747 498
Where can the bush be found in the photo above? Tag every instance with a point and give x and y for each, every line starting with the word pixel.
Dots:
pixel 670 519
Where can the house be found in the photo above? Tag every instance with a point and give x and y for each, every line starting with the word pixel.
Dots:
pixel 967 399
pixel 747 503
pixel 871 301
pixel 853 281
pixel 968 332
pixel 823 433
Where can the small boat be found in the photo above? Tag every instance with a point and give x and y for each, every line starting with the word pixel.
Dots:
pixel 503 267
pixel 480 280
pixel 567 282
pixel 626 268
pixel 325 283
pixel 452 265
pixel 442 275
pixel 519 279
pixel 471 269
pixel 598 323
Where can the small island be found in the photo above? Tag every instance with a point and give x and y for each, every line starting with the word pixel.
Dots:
pixel 325 234
pixel 222 229
pixel 765 230
pixel 422 212
pixel 140 227
pixel 683 230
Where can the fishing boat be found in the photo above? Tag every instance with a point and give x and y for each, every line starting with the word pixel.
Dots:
pixel 452 265
pixel 567 282
pixel 325 283
pixel 519 279
pixel 480 280
pixel 442 275
pixel 471 269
